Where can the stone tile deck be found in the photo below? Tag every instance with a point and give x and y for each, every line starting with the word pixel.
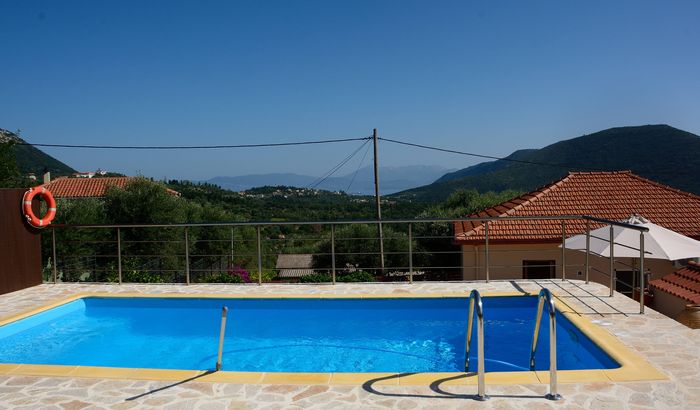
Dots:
pixel 668 345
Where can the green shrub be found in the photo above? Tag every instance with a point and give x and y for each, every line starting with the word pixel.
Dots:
pixel 138 276
pixel 224 277
pixel 316 278
pixel 358 276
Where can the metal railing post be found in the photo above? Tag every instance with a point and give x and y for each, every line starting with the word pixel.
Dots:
pixel 119 255
pixel 545 298
pixel 588 249
pixel 187 257
pixel 410 253
pixel 563 250
pixel 486 252
pixel 641 273
pixel 222 332
pixel 333 253
pixel 612 262
pixel 475 301
pixel 232 245
pixel 53 250
pixel 259 255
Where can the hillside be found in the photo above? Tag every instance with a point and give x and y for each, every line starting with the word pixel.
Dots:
pixel 30 159
pixel 658 152
pixel 393 179
pixel 280 203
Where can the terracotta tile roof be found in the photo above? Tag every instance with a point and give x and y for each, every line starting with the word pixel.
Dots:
pixel 684 283
pixel 88 187
pixel 609 195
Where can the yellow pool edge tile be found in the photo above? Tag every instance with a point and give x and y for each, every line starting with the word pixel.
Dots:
pixel 6 368
pixel 358 379
pixel 232 377
pixel 296 378
pixel 574 376
pixel 502 378
pixel 42 370
pixel 425 379
pixel 168 375
pixel 95 372
pixel 33 311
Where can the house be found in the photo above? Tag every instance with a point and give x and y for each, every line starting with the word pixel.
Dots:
pixel 530 248
pixel 294 265
pixel 674 291
pixel 88 187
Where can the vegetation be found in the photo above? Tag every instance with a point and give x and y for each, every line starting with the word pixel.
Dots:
pixel 658 152
pixel 357 276
pixel 9 173
pixel 222 254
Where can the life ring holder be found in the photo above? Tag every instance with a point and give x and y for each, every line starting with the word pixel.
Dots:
pixel 46 195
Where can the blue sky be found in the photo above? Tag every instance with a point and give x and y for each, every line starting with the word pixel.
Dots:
pixel 488 77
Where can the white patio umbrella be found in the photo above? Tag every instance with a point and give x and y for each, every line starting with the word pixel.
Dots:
pixel 659 242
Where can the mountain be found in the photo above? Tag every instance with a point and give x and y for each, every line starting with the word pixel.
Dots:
pixel 391 179
pixel 486 167
pixel 658 152
pixel 30 159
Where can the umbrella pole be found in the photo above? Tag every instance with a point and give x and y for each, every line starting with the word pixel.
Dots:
pixel 641 272
pixel 612 262
pixel 588 247
pixel 563 250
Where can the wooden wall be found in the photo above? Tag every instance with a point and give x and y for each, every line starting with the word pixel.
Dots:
pixel 20 245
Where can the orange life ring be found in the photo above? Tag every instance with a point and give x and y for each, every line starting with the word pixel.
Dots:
pixel 32 219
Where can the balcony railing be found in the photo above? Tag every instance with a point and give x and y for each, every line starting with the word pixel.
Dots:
pixel 317 252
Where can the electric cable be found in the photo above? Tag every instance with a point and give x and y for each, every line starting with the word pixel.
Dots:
pixel 362 161
pixel 471 154
pixel 338 166
pixel 171 147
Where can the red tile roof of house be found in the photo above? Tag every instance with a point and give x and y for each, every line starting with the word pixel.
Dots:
pixel 88 187
pixel 609 195
pixel 684 283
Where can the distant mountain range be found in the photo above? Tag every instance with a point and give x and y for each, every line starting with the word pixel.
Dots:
pixel 33 160
pixel 392 179
pixel 658 152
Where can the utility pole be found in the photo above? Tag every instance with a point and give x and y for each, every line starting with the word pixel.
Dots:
pixel 378 201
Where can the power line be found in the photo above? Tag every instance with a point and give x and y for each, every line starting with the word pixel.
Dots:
pixel 362 161
pixel 471 154
pixel 172 147
pixel 338 166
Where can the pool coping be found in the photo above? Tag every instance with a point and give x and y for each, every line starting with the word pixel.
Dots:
pixel 633 367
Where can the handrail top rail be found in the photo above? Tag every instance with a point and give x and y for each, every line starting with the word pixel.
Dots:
pixel 478 305
pixel 358 221
pixel 548 299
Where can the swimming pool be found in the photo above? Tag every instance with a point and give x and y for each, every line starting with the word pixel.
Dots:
pixel 291 335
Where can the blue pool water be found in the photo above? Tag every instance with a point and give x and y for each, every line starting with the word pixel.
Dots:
pixel 292 335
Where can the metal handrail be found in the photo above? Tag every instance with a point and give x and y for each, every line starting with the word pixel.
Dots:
pixel 545 297
pixel 475 301
pixel 358 221
pixel 193 252
pixel 224 313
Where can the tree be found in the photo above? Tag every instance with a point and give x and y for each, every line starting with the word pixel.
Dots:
pixel 9 173
pixel 357 245
pixel 157 253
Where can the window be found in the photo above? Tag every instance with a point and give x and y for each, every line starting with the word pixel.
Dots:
pixel 539 269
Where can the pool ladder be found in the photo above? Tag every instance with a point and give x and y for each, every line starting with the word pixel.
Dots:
pixel 222 332
pixel 544 298
pixel 475 301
